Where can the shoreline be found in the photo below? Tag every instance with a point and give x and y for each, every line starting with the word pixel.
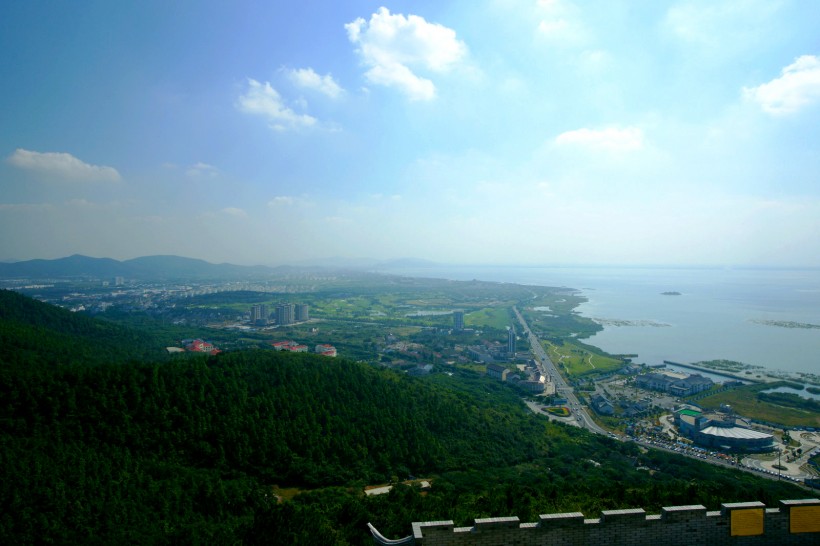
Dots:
pixel 592 279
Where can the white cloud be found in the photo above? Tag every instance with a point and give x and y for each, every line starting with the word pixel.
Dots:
pixel 609 139
pixel 234 211
pixel 62 165
pixel 398 75
pixel 307 77
pixel 281 200
pixel 202 170
pixel 263 100
pixel 710 23
pixel 797 86
pixel 395 46
pixel 560 22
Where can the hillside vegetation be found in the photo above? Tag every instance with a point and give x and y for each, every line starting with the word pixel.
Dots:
pixel 195 450
pixel 32 332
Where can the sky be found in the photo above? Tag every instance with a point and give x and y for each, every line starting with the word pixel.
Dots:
pixel 474 131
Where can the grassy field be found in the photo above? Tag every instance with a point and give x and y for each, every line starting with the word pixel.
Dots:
pixel 578 361
pixel 745 401
pixel 477 368
pixel 494 317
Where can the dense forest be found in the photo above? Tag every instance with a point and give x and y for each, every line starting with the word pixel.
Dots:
pixel 100 444
pixel 32 332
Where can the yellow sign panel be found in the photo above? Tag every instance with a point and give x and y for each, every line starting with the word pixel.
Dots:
pixel 804 519
pixel 747 522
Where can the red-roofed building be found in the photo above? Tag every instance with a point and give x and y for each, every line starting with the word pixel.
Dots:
pixel 199 346
pixel 283 345
pixel 325 350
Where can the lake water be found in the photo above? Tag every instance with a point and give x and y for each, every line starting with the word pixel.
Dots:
pixel 720 314
pixel 801 393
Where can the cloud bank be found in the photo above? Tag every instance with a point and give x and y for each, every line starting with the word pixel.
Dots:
pixel 62 165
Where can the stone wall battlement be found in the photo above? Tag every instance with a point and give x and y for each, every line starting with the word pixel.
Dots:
pixel 794 522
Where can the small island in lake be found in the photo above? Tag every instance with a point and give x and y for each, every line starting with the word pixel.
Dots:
pixel 671 294
pixel 788 324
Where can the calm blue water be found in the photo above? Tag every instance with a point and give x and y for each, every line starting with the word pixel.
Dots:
pixel 714 318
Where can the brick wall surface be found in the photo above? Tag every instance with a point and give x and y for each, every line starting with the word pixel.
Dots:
pixel 793 522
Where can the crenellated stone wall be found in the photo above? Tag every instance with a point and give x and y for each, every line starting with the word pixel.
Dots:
pixel 794 522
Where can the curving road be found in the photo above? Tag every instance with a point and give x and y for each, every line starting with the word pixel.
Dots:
pixel 548 369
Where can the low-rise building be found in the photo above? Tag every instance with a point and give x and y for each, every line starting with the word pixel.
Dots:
pixel 325 349
pixel 200 346
pixel 532 385
pixel 601 404
pixel 637 408
pixel 691 385
pixel 721 431
pixel 675 385
pixel 497 372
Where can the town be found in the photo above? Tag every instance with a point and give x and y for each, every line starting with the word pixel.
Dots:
pixel 425 326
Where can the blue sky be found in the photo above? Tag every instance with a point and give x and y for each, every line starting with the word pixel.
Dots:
pixel 481 131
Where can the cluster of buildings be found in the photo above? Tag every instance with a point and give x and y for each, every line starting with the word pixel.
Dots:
pixel 673 383
pixel 323 349
pixel 602 405
pixel 283 314
pixel 490 352
pixel 531 385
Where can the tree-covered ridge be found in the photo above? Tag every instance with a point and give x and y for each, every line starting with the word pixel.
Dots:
pixel 189 450
pixel 34 332
pixel 289 419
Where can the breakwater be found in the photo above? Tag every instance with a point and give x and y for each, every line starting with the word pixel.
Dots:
pixel 721 373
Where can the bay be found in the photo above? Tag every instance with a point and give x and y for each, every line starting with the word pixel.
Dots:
pixel 760 317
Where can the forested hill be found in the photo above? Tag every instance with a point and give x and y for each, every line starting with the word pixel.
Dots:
pixel 116 449
pixel 33 332
pixel 189 450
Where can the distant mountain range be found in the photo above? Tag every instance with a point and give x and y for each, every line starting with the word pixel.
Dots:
pixel 175 267
pixel 147 267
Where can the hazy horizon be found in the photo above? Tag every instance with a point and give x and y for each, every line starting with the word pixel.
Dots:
pixel 490 132
pixel 409 262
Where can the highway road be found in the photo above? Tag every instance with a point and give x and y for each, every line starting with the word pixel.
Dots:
pixel 548 369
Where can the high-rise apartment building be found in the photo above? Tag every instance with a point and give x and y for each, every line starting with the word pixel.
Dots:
pixel 259 314
pixel 302 312
pixel 458 320
pixel 511 341
pixel 284 314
